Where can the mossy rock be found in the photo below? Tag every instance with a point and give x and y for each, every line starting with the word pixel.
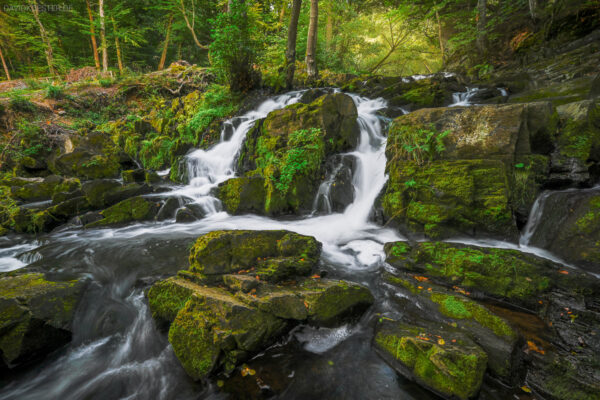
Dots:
pixel 132 209
pixel 271 255
pixel 102 193
pixel 579 133
pixel 444 361
pixel 35 315
pixel 570 228
pixel 214 330
pixel 518 278
pixel 243 195
pixel 493 333
pixel 45 189
pixel 447 198
pixel 289 149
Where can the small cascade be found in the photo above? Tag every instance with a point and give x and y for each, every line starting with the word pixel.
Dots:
pixel 535 216
pixel 207 168
pixel 322 202
pixel 463 98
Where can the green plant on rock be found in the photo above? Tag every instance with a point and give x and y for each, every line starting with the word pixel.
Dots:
pixel 55 92
pixel 418 143
pixel 303 157
pixel 21 104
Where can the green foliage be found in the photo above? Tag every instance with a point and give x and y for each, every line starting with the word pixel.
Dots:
pixel 303 157
pixel 21 104
pixel 105 82
pixel 55 92
pixel 233 50
pixel 419 144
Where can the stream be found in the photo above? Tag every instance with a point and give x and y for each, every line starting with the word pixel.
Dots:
pixel 117 351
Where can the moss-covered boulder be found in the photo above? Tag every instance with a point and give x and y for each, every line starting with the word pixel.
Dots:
pixel 578 144
pixel 270 255
pixel 44 189
pixel 441 359
pixel 448 198
pixel 132 209
pixel 223 309
pixel 569 227
pixel 419 297
pixel 467 170
pixel 518 278
pixel 35 315
pixel 243 195
pixel 102 193
pixel 289 149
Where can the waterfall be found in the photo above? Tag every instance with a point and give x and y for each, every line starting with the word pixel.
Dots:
pixel 463 98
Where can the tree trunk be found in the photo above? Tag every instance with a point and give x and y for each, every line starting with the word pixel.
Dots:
pixel 481 25
pixel 282 12
pixel 533 9
pixel 4 65
pixel 93 35
pixel 290 53
pixel 118 46
pixel 49 54
pixel 311 44
pixel 190 26
pixel 440 38
pixel 103 37
pixel 163 56
pixel 329 25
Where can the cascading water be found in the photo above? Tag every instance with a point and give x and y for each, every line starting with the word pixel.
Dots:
pixel 207 168
pixel 116 350
pixel 463 98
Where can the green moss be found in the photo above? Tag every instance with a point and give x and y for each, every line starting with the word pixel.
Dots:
pixel 243 195
pixel 166 298
pixel 449 369
pixel 132 209
pixel 450 196
pixel 329 304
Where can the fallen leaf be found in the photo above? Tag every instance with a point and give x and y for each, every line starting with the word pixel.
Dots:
pixel 441 342
pixel 564 272
pixel 525 389
pixel 421 278
pixel 533 347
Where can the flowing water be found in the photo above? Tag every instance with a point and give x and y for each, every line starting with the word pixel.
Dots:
pixel 117 352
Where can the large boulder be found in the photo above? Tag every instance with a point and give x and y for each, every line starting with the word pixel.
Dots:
pixel 35 315
pixel 290 149
pixel 44 189
pixel 569 226
pixel 467 170
pixel 271 255
pixel 439 358
pixel 132 209
pixel 495 335
pixel 242 291
pixel 501 274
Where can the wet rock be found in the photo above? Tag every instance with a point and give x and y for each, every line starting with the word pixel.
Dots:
pixel 569 227
pixel 289 149
pixel 231 304
pixel 273 255
pixel 185 215
pixel 339 185
pixel 312 94
pixel 169 208
pixel 64 196
pixel 35 315
pixel 518 278
pixel 106 192
pixel 44 189
pixel 132 209
pixel 418 298
pixel 457 171
pixel 134 175
pixel 439 358
pixel 243 195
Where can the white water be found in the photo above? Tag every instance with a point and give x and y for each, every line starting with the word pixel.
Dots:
pixel 463 98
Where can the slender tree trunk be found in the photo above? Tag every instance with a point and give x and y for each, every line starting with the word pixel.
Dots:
pixel 380 63
pixel 118 46
pixel 93 35
pixel 103 37
pixel 282 12
pixel 163 56
pixel 440 38
pixel 481 25
pixel 4 65
pixel 533 9
pixel 49 54
pixel 290 53
pixel 190 25
pixel 311 44
pixel 329 25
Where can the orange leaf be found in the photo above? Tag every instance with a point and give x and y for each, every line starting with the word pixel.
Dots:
pixel 421 278
pixel 316 276
pixel 564 272
pixel 533 347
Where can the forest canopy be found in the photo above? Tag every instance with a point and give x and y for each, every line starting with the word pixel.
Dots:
pixel 387 37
